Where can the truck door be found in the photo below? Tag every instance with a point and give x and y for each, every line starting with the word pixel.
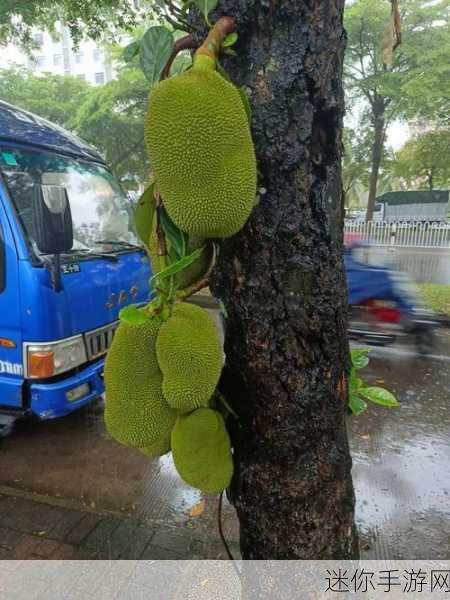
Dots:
pixel 11 368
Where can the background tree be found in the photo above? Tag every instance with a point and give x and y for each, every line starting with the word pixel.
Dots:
pixel 100 115
pixel 424 161
pixel 54 97
pixel 94 19
pixel 417 72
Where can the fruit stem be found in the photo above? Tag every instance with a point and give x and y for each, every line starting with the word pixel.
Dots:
pixel 211 46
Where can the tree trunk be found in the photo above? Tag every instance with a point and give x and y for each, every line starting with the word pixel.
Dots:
pixel 430 180
pixel 283 287
pixel 377 153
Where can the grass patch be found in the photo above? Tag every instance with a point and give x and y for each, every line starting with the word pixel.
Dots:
pixel 436 296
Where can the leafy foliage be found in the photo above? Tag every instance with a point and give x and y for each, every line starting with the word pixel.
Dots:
pixel 415 85
pixel 155 49
pixel 359 391
pixel 424 160
pixel 100 115
pixel 84 19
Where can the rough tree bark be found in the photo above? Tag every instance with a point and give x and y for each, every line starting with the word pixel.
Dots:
pixel 282 283
pixel 379 129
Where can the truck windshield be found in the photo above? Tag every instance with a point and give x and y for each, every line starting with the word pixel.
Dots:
pixel 101 213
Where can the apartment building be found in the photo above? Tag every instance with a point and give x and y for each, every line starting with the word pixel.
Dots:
pixel 56 54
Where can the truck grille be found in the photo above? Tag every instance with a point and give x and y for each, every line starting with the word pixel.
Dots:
pixel 99 340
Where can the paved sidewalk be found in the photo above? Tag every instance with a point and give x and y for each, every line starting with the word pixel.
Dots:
pixel 31 529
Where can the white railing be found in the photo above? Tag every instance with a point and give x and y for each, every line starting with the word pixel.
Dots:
pixel 418 234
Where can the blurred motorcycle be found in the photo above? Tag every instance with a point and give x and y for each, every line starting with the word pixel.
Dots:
pixel 384 305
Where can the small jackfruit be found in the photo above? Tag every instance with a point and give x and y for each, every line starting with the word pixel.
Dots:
pixel 136 413
pixel 201 450
pixel 190 357
pixel 201 151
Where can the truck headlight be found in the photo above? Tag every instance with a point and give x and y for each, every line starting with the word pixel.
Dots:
pixel 48 359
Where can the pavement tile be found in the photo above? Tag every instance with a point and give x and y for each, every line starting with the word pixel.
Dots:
pixel 82 529
pixel 141 539
pixel 8 538
pixel 46 548
pixel 178 543
pixel 26 546
pixel 157 553
pixel 99 540
pixel 120 539
pixel 67 520
pixel 64 552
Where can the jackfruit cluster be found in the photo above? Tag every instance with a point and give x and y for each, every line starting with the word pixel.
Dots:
pixel 190 357
pixel 198 137
pixel 136 413
pixel 201 450
pixel 157 375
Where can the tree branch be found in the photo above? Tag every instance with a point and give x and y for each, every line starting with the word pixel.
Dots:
pixel 188 42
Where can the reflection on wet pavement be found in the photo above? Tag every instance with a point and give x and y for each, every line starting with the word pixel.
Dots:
pixel 402 460
pixel 401 467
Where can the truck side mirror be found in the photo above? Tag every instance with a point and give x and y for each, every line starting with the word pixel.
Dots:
pixel 53 229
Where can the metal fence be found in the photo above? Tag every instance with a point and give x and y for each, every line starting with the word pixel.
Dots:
pixel 405 234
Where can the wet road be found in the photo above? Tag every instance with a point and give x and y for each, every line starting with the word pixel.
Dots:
pixel 401 466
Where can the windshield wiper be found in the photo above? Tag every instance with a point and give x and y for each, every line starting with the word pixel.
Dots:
pixel 119 243
pixel 82 252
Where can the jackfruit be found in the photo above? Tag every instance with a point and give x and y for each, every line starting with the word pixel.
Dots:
pixel 136 413
pixel 159 448
pixel 190 357
pixel 201 151
pixel 201 450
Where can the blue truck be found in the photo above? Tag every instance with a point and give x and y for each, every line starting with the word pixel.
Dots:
pixel 69 261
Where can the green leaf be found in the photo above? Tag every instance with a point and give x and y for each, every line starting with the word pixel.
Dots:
pixel 246 103
pixel 154 52
pixel 130 51
pixel 178 266
pixel 205 6
pixel 229 51
pixel 230 40
pixel 354 383
pixel 356 404
pixel 173 234
pixel 359 358
pixel 379 395
pixel 144 213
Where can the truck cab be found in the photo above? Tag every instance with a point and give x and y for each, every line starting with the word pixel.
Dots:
pixel 56 325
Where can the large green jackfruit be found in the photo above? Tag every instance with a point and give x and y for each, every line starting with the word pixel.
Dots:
pixel 190 357
pixel 136 413
pixel 201 151
pixel 201 450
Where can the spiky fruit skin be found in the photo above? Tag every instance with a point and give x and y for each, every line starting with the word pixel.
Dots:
pixel 159 448
pixel 201 450
pixel 201 151
pixel 190 357
pixel 136 413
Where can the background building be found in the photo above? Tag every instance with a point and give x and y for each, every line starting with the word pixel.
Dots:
pixel 56 54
